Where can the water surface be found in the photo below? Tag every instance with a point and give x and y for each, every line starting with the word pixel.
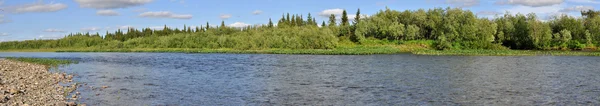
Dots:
pixel 264 79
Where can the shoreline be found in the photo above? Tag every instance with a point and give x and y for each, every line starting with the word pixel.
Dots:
pixel 23 84
pixel 372 50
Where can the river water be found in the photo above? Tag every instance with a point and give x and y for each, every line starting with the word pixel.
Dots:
pixel 368 80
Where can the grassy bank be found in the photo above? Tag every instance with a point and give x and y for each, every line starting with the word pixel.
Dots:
pixel 43 61
pixel 506 53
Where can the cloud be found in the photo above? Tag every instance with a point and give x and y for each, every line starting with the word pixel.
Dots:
pixel 537 10
pixel 36 7
pixel 125 27
pixel 165 14
pixel 463 3
pixel 531 3
pixel 140 10
pixel 585 1
pixel 4 34
pixel 239 24
pixel 53 30
pixel 488 13
pixel 577 9
pixel 2 21
pixel 225 16
pixel 111 4
pixel 90 29
pixel 328 12
pixel 257 12
pixel 107 13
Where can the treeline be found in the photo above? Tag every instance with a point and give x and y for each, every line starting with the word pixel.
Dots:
pixel 450 28
pixel 453 28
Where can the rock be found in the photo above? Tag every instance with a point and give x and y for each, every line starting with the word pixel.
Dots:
pixel 13 91
pixel 61 104
pixel 71 104
pixel 4 99
pixel 104 87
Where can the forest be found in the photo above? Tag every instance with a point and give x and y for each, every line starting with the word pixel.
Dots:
pixel 449 29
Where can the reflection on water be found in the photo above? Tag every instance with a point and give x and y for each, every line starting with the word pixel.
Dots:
pixel 258 79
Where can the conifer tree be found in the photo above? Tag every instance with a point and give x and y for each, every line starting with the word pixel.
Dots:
pixel 293 22
pixel 332 20
pixel 344 18
pixel 309 20
pixel 357 17
pixel 323 24
pixel 207 26
pixel 270 25
pixel 222 24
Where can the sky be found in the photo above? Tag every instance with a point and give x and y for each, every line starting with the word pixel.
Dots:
pixel 52 19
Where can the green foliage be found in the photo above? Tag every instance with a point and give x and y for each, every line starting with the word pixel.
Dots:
pixel 448 29
pixel 43 61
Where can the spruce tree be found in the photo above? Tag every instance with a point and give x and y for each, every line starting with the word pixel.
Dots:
pixel 309 21
pixel 323 24
pixel 357 17
pixel 207 26
pixel 222 24
pixel 332 20
pixel 345 18
pixel 270 25
pixel 293 21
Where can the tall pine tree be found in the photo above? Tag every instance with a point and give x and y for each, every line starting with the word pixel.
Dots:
pixel 345 18
pixel 332 20
pixel 357 17
pixel 270 25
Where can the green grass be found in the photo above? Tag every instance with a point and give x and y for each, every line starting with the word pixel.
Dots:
pixel 506 53
pixel 42 61
pixel 344 47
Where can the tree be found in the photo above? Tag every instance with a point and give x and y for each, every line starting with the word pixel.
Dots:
pixel 309 20
pixel 332 19
pixel 323 24
pixel 270 25
pixel 345 18
pixel 207 26
pixel 222 24
pixel 357 17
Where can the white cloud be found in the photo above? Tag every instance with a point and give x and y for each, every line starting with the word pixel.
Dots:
pixel 111 4
pixel 90 29
pixel 36 7
pixel 53 30
pixel 537 10
pixel 140 10
pixel 577 9
pixel 2 21
pixel 328 12
pixel 165 14
pixel 257 12
pixel 239 24
pixel 585 1
pixel 531 3
pixel 488 13
pixel 125 27
pixel 107 13
pixel 50 36
pixel 1 16
pixel 463 3
pixel 4 34
pixel 225 16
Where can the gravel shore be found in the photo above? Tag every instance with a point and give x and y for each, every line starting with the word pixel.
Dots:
pixel 25 84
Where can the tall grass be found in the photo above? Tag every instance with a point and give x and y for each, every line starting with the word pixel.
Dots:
pixel 43 61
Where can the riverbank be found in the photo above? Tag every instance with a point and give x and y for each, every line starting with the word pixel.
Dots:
pixel 23 84
pixel 346 50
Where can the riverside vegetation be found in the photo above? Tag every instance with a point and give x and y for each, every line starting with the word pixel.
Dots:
pixel 438 31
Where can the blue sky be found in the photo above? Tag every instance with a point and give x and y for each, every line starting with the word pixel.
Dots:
pixel 51 19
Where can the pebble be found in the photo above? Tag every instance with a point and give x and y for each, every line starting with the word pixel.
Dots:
pixel 33 84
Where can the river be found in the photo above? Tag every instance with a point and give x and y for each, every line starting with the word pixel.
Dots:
pixel 364 80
